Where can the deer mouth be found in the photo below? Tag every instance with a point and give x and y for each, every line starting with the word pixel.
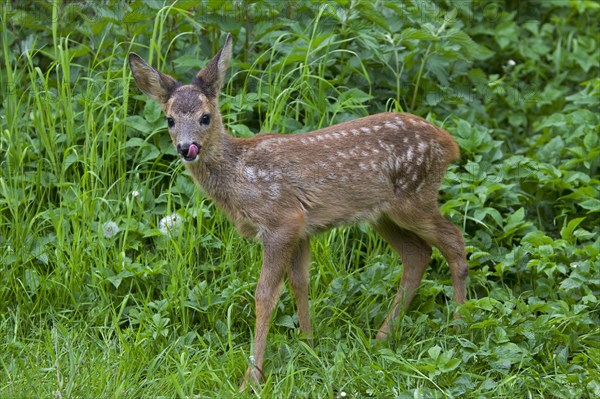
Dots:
pixel 189 153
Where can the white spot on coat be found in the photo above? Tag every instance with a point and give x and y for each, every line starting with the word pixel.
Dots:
pixel 263 174
pixel 249 173
pixel 274 191
pixel 398 163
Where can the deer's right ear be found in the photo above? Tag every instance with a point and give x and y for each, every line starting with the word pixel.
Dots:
pixel 155 84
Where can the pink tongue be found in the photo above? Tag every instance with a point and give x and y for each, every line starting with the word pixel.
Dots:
pixel 192 151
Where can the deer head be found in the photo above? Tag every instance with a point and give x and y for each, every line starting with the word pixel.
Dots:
pixel 191 110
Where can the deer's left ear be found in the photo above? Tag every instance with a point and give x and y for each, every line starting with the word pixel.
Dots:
pixel 154 84
pixel 210 78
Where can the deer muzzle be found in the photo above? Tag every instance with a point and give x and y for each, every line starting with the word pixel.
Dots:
pixel 189 151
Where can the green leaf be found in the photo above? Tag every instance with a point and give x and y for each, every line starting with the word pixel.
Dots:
pixel 514 220
pixel 434 352
pixel 450 364
pixel 592 205
pixel 32 280
pixel 416 34
pixel 569 284
pixel 286 321
pixel 135 142
pixel 139 123
pixel 152 111
pixel 567 231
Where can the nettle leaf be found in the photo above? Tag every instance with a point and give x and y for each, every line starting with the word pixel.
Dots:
pixel 439 66
pixel 417 34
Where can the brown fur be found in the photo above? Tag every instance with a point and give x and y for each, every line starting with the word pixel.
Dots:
pixel 384 169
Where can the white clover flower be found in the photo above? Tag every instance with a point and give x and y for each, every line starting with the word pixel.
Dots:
pixel 170 226
pixel 110 229
pixel 511 63
pixel 135 193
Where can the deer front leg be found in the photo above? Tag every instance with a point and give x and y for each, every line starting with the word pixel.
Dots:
pixel 276 260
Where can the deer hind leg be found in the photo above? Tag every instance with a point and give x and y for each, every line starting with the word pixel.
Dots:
pixel 298 277
pixel 415 254
pixel 449 240
pixel 436 230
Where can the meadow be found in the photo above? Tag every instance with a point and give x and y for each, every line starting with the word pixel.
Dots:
pixel 119 279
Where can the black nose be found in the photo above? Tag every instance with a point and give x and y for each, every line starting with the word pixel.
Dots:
pixel 183 149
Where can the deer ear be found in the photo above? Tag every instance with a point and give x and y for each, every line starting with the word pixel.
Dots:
pixel 154 84
pixel 210 78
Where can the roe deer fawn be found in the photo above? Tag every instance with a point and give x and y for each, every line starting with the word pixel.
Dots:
pixel 384 169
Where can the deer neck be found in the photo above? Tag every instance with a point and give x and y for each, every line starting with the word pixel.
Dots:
pixel 212 169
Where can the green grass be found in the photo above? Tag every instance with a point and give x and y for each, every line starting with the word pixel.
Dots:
pixel 97 301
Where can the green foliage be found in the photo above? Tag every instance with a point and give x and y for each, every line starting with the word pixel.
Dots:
pixel 119 279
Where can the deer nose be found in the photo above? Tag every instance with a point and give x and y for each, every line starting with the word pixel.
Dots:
pixel 188 151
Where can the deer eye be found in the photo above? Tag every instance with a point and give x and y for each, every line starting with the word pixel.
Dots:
pixel 170 122
pixel 205 119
